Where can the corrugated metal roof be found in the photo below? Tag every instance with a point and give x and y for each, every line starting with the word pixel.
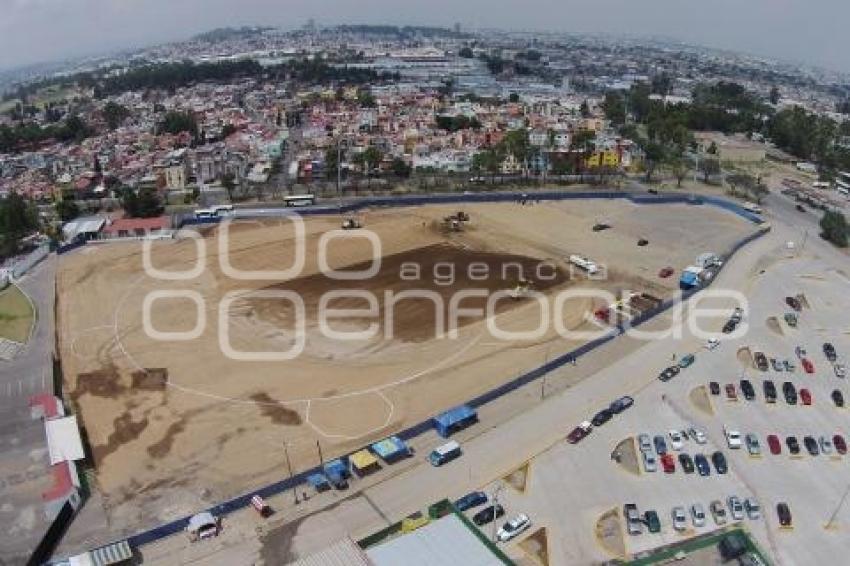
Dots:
pixel 112 554
pixel 342 553
pixel 446 542
pixel 63 440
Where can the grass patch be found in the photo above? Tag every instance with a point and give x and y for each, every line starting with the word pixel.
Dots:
pixel 16 315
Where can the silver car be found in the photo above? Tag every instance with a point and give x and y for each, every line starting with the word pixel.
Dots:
pixel 718 512
pixel 839 370
pixel 753 446
pixel 698 515
pixel 680 520
pixel 645 443
pixel 753 509
pixel 825 445
pixel 736 508
pixel 697 435
pixel 650 464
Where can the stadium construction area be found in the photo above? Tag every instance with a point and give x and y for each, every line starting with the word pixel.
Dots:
pixel 172 351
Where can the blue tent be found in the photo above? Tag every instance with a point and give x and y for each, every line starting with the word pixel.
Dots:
pixel 318 481
pixel 338 472
pixel 689 280
pixel 390 449
pixel 454 420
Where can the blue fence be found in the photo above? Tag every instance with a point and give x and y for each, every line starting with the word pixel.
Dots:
pixel 300 479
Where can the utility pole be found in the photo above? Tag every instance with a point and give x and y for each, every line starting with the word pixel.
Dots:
pixel 289 468
pixel 319 449
pixel 495 506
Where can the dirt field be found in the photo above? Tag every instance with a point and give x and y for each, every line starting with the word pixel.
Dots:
pixel 163 415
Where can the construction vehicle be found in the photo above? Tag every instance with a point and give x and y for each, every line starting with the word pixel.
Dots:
pixel 351 224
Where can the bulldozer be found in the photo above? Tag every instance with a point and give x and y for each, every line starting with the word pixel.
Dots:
pixel 351 224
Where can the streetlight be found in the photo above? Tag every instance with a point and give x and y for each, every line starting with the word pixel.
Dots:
pixel 496 492
pixel 289 468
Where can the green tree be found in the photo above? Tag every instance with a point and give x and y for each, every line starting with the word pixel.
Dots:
pixel 175 122
pixel 615 108
pixel 18 218
pixel 834 228
pixel 513 97
pixel 679 168
pixel 654 154
pixel 67 209
pixel 465 52
pixel 400 168
pixel 709 166
pixel 142 204
pixel 584 109
pixel 114 114
pixel 774 96
pixel 228 181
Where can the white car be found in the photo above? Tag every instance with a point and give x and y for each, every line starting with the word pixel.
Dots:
pixel 839 370
pixel 712 344
pixel 680 520
pixel 698 435
pixel 733 438
pixel 753 509
pixel 698 514
pixel 736 508
pixel 825 445
pixel 650 464
pixel 675 440
pixel 513 527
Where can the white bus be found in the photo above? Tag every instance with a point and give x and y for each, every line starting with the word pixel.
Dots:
pixel 205 213
pixel 752 207
pixel 300 200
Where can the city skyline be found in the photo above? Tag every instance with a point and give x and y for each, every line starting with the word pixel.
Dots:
pixel 95 27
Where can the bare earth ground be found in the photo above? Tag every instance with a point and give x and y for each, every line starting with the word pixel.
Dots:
pixel 171 422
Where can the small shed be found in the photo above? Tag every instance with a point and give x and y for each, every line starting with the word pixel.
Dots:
pixel 364 462
pixel 454 420
pixel 391 449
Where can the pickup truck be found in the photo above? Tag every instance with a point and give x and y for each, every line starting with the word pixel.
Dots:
pixel 633 519
pixel 579 432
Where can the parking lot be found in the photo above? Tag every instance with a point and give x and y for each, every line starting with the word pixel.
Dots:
pixel 569 487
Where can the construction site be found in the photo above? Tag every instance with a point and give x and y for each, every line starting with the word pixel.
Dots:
pixel 183 384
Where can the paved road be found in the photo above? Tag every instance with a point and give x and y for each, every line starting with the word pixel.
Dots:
pixel 23 450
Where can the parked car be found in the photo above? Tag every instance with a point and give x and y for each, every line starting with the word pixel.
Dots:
pixel 729 327
pixel 698 515
pixel 633 520
pixel 837 398
pixel 687 463
pixel 601 417
pixel 680 519
pixel 839 370
pixel 701 462
pixel 579 432
pixel 747 390
pixel 805 396
pixel 794 303
pixel 513 527
pixel 644 443
pixel 731 394
pixel 752 442
pixel 737 314
pixel 811 445
pixel 650 464
pixel 753 509
pixel 829 352
pixel 793 445
pixel 733 438
pixel 711 344
pixel 718 512
pixel 761 361
pixel 714 387
pixel 698 435
pixel 736 508
pixel 621 404
pixel 840 444
pixel 488 515
pixel 825 445
pixel 719 461
pixel 660 445
pixel 790 393
pixel 769 389
pixel 668 463
pixel 784 514
pixel 669 373
pixel 800 352
pixel 687 360
pixel 788 365
pixel 471 500
pixel 775 364
pixel 808 366
pixel 675 440
pixel 653 523
pixel 774 444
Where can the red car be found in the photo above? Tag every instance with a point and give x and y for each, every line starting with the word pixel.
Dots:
pixel 774 444
pixel 665 272
pixel 668 463
pixel 731 394
pixel 840 445
pixel 808 365
pixel 579 432
pixel 805 397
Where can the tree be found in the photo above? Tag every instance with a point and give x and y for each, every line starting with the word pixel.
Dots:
pixel 513 97
pixel 370 158
pixel 679 167
pixel 228 181
pixel 465 52
pixel 142 204
pixel 114 114
pixel 365 99
pixel 654 154
pixel 227 131
pixel 175 122
pixel 584 109
pixel 834 228
pixel 708 167
pixel 774 96
pixel 400 168
pixel 18 218
pixel 615 108
pixel 67 209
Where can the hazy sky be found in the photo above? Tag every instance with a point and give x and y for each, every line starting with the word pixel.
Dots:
pixel 814 31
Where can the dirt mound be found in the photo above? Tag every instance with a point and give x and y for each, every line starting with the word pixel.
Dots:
pixel 609 533
pixel 625 455
pixel 773 325
pixel 745 357
pixel 430 277
pixel 536 546
pixel 518 479
pixel 699 399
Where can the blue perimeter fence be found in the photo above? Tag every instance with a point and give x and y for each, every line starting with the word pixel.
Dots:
pixel 243 501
